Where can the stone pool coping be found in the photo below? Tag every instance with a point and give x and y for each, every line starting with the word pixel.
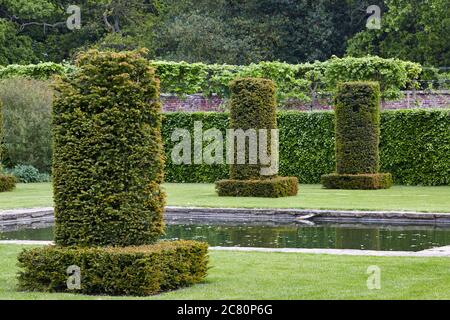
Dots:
pixel 32 216
pixel 433 252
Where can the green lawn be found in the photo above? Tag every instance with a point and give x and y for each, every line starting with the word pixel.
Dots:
pixel 426 199
pixel 255 275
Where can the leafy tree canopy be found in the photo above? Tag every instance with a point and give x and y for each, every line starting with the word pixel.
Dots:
pixel 414 30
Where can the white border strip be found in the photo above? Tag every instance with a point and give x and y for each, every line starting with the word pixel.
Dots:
pixel 435 252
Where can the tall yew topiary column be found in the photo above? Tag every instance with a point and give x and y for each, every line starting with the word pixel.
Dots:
pixel 108 153
pixel 107 170
pixel 253 115
pixel 357 130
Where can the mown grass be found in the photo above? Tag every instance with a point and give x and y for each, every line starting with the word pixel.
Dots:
pixel 425 199
pixel 256 275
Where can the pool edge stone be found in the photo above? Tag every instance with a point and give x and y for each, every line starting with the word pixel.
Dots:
pixel 45 215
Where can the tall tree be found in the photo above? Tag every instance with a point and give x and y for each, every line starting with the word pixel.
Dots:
pixel 36 30
pixel 241 32
pixel 417 30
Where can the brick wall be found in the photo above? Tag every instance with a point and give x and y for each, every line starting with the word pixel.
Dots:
pixel 418 99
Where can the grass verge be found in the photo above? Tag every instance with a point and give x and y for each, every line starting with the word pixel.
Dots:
pixel 255 275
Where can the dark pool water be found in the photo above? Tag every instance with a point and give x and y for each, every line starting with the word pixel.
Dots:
pixel 364 237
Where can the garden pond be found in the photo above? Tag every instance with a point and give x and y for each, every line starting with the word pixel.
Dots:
pixel 292 235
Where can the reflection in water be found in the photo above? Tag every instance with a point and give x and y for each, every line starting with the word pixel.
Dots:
pixel 365 237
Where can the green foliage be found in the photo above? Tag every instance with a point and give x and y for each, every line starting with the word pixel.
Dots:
pixel 416 30
pixel 108 152
pixel 267 188
pixel 414 146
pixel 28 174
pixel 392 74
pixel 357 131
pixel 27 117
pixel 192 172
pixel 242 32
pixel 40 71
pixel 223 31
pixel 252 106
pixel 368 181
pixel 30 9
pixel 444 80
pixel 139 271
pixel 187 78
pixel 36 30
pixel 2 135
pixel 14 47
pixel 293 81
pixel 306 144
pixel 7 182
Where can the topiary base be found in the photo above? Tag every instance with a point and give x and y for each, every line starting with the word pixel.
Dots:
pixel 138 271
pixel 357 181
pixel 7 182
pixel 268 188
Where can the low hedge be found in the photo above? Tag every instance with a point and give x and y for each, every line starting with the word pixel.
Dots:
pixel 267 188
pixel 140 270
pixel 414 145
pixel 368 181
pixel 7 182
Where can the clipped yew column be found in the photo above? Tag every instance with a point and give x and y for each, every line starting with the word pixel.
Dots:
pixel 253 119
pixel 107 174
pixel 108 153
pixel 357 131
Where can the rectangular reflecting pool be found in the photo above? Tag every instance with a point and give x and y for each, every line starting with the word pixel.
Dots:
pixel 272 235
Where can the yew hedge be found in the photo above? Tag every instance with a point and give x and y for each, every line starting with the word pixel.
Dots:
pixel 414 146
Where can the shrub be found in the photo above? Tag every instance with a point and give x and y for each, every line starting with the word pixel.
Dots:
pixel 269 188
pixel 40 71
pixel 141 270
pixel 27 119
pixel 108 153
pixel 7 182
pixel 28 174
pixel 357 130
